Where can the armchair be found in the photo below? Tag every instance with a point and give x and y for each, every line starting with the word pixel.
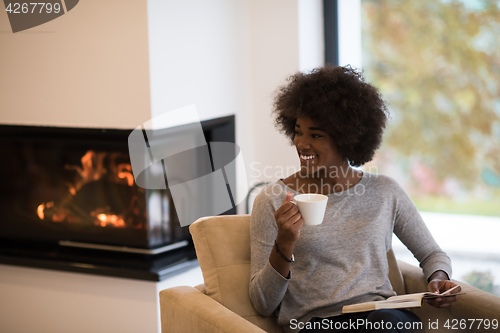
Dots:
pixel 222 303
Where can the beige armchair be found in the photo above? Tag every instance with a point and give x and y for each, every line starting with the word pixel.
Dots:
pixel 222 303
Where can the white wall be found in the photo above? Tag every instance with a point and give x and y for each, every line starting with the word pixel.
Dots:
pixel 349 12
pixel 311 35
pixel 42 300
pixel 39 300
pixel 199 53
pixel 274 52
pixel 287 36
pixel 87 68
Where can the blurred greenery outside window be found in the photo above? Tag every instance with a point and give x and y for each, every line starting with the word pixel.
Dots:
pixel 437 64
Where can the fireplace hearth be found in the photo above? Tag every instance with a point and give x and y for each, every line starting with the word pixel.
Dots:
pixel 68 201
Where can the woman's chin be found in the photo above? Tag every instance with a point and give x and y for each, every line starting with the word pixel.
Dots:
pixel 308 170
pixel 304 169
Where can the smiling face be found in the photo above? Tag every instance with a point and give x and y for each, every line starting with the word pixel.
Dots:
pixel 315 147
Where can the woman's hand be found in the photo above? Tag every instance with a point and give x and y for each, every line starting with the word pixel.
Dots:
pixel 289 222
pixel 439 284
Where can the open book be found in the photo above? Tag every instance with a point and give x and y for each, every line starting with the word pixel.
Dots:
pixel 396 302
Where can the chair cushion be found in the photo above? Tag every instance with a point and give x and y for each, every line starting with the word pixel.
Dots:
pixel 222 246
pixel 395 275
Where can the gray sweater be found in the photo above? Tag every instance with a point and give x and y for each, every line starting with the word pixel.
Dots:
pixel 344 259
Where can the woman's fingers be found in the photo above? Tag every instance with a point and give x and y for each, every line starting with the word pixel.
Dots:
pixel 441 286
pixel 287 213
pixel 289 225
pixel 298 225
pixel 442 302
pixel 289 220
pixel 283 209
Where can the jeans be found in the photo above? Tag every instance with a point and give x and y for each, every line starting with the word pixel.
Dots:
pixel 386 320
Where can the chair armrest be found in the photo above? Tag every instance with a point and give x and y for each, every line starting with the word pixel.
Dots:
pixel 475 304
pixel 186 309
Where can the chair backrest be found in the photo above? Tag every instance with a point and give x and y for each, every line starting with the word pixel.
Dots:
pixel 222 246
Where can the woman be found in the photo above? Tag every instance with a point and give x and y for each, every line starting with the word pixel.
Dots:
pixel 335 120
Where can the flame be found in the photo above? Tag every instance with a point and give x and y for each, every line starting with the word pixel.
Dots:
pixel 41 208
pixel 94 166
pixel 125 171
pixel 39 211
pixel 59 217
pixel 88 172
pixel 105 219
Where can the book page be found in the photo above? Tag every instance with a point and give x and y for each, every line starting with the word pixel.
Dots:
pixel 407 296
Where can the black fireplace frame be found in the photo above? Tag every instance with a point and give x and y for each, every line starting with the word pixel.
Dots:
pixel 49 254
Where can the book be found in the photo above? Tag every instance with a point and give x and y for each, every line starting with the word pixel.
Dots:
pixel 396 302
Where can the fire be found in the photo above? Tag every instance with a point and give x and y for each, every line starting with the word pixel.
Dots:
pixel 41 208
pixel 39 211
pixel 105 219
pixel 94 167
pixel 125 171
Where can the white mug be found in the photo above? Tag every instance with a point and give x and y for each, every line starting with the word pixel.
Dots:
pixel 312 207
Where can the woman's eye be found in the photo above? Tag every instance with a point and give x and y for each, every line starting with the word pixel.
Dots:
pixel 297 133
pixel 317 136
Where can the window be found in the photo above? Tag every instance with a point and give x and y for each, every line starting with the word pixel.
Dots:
pixel 437 63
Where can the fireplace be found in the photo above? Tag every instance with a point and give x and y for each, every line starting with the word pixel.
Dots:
pixel 75 187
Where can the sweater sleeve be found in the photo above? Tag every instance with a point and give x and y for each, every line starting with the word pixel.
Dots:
pixel 267 286
pixel 413 233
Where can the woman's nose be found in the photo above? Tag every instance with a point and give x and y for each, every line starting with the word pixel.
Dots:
pixel 303 144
